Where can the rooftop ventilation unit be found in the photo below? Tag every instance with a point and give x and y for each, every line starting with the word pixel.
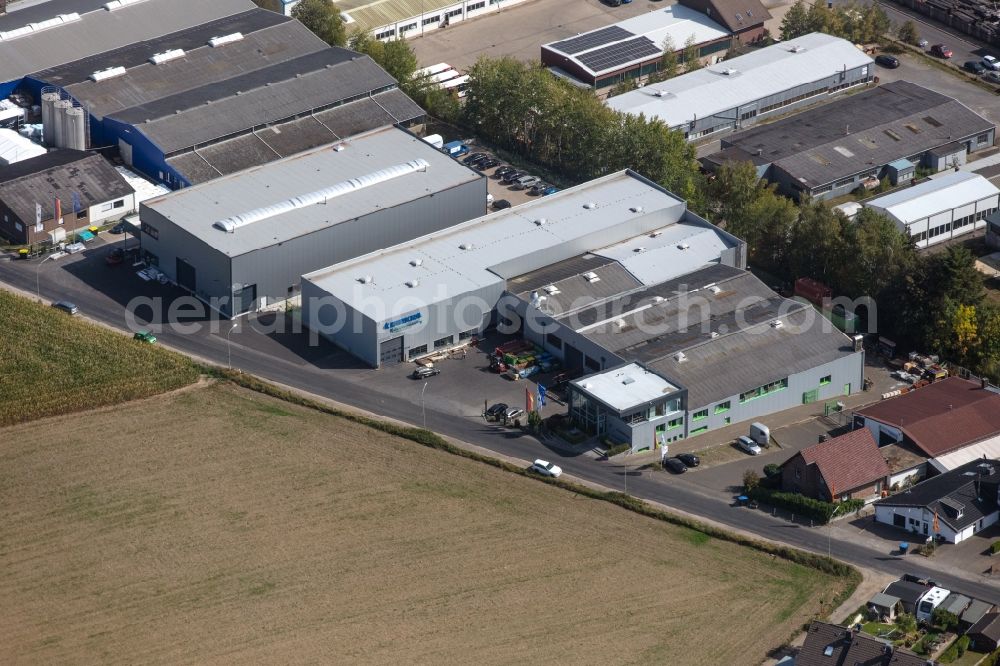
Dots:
pixel 166 56
pixel 551 290
pixel 109 73
pixel 639 249
pixel 225 39
pixel 466 246
pixel 591 277
pixel 590 205
pixel 416 262
pixel 658 299
pixel 118 4
pixel 683 246
pixel 627 380
pixel 619 324
pixel 656 234
pixel 14 34
pixel 412 283
pixel 680 357
pixel 339 148
pixel 730 71
pixel 661 93
pixel 365 279
pixel 714 288
pixel 53 22
pixel 540 221
pixel 777 323
pixel 798 48
pixel 636 209
pixel 713 334
pixel 231 224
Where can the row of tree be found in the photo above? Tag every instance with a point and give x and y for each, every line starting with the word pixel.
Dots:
pixel 862 24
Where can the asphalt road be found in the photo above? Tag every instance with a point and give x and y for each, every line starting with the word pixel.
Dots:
pixel 326 372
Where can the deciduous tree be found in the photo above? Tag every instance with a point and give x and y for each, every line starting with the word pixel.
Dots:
pixel 323 18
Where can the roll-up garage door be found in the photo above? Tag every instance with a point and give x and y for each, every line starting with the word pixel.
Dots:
pixel 391 351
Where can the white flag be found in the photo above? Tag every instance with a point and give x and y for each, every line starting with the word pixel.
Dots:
pixel 38 213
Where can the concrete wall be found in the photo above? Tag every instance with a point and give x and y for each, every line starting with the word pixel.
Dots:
pixel 327 316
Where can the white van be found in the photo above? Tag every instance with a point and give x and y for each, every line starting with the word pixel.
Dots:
pixel 760 433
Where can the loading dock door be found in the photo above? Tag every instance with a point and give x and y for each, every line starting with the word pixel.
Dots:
pixel 186 276
pixel 391 351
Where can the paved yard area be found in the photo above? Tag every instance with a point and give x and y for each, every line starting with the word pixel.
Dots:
pixel 520 30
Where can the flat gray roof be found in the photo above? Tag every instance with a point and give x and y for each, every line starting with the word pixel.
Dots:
pixel 277 92
pixel 265 43
pixel 726 85
pixel 196 209
pixel 91 29
pixel 488 250
pixel 861 132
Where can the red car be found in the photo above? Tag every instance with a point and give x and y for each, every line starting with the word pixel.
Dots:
pixel 941 51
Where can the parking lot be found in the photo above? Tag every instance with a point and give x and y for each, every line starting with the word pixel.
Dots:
pixel 499 189
pixel 520 30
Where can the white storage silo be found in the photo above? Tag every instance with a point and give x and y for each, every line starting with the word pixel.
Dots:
pixel 49 100
pixel 59 123
pixel 75 128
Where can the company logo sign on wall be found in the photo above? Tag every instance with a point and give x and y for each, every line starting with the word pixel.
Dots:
pixel 401 323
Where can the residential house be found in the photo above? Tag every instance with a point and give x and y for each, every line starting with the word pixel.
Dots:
pixel 743 18
pixel 846 467
pixel 984 636
pixel 832 645
pixel 908 592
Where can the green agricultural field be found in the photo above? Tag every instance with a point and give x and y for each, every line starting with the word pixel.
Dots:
pixel 51 363
pixel 243 529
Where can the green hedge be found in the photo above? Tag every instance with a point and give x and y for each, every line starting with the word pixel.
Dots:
pixel 848 506
pixel 955 650
pixel 772 469
pixel 995 548
pixel 807 507
pixel 435 441
pixel 615 449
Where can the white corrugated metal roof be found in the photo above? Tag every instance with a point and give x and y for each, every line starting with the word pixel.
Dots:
pixel 677 22
pixel 767 71
pixel 938 194
pixel 14 147
pixel 988 448
pixel 626 386
pixel 457 260
pixel 144 189
pixel 674 251
pixel 197 209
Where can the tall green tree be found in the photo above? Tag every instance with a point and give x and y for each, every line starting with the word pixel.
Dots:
pixel 796 21
pixel 774 217
pixel 395 56
pixel 954 276
pixel 817 248
pixel 879 254
pixel 324 19
pixel 668 61
pixel 692 61
pixel 731 192
pixel 907 33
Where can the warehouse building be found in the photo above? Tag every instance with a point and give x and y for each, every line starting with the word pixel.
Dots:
pixel 48 197
pixel 736 93
pixel 241 242
pixel 941 208
pixel 632 49
pixel 15 148
pixel 622 284
pixel 41 35
pixel 213 99
pixel 854 142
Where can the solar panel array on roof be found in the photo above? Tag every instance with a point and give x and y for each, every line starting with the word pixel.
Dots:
pixel 589 40
pixel 619 54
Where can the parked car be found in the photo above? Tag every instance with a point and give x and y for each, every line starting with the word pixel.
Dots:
pixel 479 159
pixel 73 248
pixel 525 182
pixel 115 257
pixel 748 445
pixel 511 176
pixel 503 170
pixel 485 165
pixel 423 372
pixel 545 468
pixel 500 204
pixel 992 77
pixel 990 62
pixel 514 413
pixel 538 188
pixel 145 336
pixel 941 51
pixel 887 61
pixel 675 465
pixel 473 157
pixel 66 307
pixel 120 228
pixel 550 190
pixel 689 459
pixel 923 43
pixel 495 411
pixel 974 66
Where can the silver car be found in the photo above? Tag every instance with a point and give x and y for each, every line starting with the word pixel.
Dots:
pixel 748 445
pixel 525 182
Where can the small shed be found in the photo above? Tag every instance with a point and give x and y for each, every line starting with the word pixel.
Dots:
pixel 947 156
pixel 883 607
pixel 974 613
pixel 984 636
pixel 901 171
pixel 955 604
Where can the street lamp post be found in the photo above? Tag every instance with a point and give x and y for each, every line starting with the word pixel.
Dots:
pixel 423 412
pixel 229 345
pixel 37 269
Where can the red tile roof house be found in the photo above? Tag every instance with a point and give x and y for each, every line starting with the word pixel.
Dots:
pixel 936 419
pixel 845 467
